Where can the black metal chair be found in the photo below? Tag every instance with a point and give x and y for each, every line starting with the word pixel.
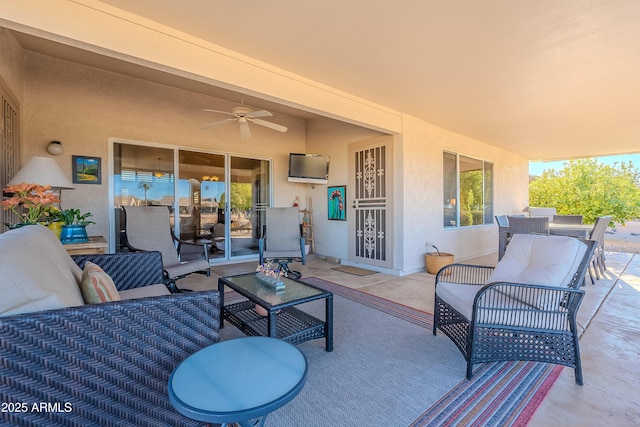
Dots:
pixel 491 315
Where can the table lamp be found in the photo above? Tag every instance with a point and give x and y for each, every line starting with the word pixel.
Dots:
pixel 42 171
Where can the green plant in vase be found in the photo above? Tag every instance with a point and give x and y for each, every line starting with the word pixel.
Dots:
pixel 75 223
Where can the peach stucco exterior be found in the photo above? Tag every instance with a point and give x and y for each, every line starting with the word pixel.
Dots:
pixel 89 108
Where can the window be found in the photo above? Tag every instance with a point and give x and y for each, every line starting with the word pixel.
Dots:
pixel 467 191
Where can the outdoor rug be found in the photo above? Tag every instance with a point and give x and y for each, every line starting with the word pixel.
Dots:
pixel 356 271
pixel 387 369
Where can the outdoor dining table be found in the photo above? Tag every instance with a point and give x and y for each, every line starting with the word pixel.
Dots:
pixel 572 230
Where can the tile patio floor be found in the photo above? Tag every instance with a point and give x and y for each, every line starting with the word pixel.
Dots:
pixel 610 346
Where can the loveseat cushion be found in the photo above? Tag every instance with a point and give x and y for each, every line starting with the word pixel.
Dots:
pixel 539 260
pixel 36 272
pixel 97 286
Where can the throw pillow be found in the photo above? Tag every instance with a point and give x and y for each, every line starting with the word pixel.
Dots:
pixel 97 286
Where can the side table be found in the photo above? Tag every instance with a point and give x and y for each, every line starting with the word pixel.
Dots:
pixel 95 245
pixel 239 380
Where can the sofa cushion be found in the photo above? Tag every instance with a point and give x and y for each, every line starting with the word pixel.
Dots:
pixel 97 286
pixel 145 291
pixel 36 272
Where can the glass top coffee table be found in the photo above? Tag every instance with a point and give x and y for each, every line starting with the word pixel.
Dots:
pixel 282 319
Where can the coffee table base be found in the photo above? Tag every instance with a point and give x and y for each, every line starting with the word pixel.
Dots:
pixel 294 325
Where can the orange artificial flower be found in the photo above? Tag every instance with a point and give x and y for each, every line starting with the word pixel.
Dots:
pixel 36 201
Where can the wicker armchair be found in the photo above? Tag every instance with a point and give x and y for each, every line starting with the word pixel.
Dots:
pixel 105 364
pixel 491 318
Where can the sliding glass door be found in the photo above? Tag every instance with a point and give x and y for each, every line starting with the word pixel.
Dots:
pixel 249 195
pixel 220 198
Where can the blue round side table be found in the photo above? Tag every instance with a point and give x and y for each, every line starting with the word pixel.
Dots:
pixel 238 380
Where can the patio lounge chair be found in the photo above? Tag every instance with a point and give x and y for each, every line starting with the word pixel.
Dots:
pixel 523 309
pixel 147 228
pixel 281 240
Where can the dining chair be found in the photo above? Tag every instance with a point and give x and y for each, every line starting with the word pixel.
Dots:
pixel 597 264
pixel 503 234
pixel 523 225
pixel 542 212
pixel 567 219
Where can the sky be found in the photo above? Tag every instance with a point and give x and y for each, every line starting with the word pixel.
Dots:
pixel 536 168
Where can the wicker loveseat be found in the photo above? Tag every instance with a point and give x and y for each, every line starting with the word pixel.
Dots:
pixel 96 364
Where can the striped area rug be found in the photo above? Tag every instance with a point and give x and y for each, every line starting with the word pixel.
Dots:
pixel 500 394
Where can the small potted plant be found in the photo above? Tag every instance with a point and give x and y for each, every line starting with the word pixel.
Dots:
pixel 74 229
pixel 436 260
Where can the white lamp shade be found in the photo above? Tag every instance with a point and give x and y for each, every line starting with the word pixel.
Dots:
pixel 42 171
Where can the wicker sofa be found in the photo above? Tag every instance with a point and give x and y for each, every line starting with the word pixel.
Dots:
pixel 95 364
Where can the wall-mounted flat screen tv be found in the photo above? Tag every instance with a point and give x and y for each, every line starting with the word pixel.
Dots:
pixel 308 168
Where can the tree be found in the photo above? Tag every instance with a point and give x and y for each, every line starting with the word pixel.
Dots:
pixel 241 196
pixel 591 189
pixel 145 187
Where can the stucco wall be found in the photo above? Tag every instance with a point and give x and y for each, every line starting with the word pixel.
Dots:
pixel 83 107
pixel 11 63
pixel 332 138
pixel 417 190
pixel 422 176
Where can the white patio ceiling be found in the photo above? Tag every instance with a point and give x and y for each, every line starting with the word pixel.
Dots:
pixel 546 79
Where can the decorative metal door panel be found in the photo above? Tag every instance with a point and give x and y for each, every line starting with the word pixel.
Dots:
pixel 370 230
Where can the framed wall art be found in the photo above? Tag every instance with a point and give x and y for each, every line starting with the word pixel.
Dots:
pixel 86 170
pixel 337 197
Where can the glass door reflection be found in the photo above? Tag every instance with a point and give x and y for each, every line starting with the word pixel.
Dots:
pixel 249 189
pixel 201 194
pixel 218 198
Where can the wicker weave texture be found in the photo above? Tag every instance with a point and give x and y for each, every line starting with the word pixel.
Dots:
pixel 294 326
pixel 109 363
pixel 499 331
pixel 127 269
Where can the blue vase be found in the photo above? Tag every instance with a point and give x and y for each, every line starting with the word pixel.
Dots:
pixel 74 234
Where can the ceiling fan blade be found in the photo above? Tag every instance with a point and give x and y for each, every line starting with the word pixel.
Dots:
pixel 244 128
pixel 259 113
pixel 218 111
pixel 270 125
pixel 215 124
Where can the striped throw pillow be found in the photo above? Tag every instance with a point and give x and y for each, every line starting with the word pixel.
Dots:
pixel 97 286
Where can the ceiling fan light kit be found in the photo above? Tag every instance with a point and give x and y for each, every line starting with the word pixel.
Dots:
pixel 243 116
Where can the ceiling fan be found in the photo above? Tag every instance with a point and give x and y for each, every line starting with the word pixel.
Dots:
pixel 245 115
